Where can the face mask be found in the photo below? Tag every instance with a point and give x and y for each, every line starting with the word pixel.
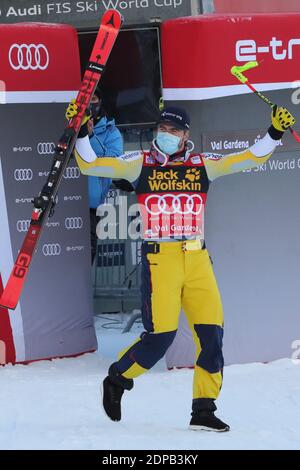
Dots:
pixel 168 143
pixel 95 109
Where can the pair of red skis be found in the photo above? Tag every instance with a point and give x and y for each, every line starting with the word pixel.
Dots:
pixel 44 203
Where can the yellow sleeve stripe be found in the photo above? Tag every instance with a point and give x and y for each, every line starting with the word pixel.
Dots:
pixel 257 154
pixel 127 166
pixel 234 163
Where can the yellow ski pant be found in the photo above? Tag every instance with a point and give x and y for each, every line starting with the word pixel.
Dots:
pixel 173 278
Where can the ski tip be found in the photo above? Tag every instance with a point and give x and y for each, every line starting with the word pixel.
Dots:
pixel 9 299
pixel 7 305
pixel 113 18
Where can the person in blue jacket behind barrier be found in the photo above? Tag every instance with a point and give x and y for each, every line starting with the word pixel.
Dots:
pixel 106 140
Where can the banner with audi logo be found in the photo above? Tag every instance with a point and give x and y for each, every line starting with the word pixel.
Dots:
pixel 52 319
pixel 34 66
pixel 28 57
pixel 51 249
pixel 72 172
pixel 223 41
pixel 170 204
pixel 73 223
pixel 46 148
pixel 259 6
pixel 23 225
pixel 23 174
pixel 251 217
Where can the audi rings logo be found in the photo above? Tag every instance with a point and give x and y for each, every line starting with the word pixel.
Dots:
pixel 46 148
pixel 73 223
pixel 174 204
pixel 51 249
pixel 72 172
pixel 28 57
pixel 23 174
pixel 23 225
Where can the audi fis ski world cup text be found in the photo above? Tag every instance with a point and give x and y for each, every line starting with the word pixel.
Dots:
pixel 87 6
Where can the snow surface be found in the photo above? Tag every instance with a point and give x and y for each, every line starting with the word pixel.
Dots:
pixel 56 404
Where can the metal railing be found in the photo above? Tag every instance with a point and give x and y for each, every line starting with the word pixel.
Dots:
pixel 117 263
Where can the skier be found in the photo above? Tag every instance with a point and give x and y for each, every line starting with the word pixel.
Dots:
pixel 171 185
pixel 105 139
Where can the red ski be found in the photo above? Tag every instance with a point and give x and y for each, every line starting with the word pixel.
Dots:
pixel 44 203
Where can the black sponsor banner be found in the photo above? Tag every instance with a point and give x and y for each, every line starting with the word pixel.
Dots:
pixel 88 12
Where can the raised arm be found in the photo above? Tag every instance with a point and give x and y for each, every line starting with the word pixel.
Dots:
pixel 257 154
pixel 128 166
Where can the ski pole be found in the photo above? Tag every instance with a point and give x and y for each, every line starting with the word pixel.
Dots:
pixel 238 72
